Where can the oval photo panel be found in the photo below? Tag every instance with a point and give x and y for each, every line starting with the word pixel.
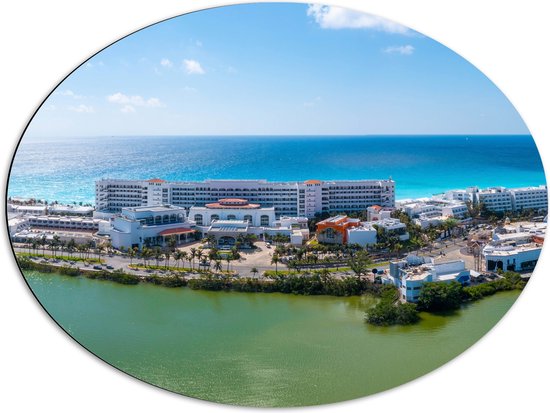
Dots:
pixel 276 204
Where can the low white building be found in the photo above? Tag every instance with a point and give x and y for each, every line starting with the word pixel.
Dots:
pixel 58 209
pixel 416 208
pixel 378 213
pixel 137 227
pixel 367 232
pixel 515 247
pixel 523 257
pixel 462 195
pixel 227 232
pixel 454 210
pixel 410 274
pixel 73 223
pixel 363 235
pixel 428 221
pixel 39 209
pixel 17 224
pixel 28 235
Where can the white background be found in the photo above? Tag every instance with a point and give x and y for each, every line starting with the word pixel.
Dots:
pixel 41 368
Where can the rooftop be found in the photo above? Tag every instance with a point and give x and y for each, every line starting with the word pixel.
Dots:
pixel 509 250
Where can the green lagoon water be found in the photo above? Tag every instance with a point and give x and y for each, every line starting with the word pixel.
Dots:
pixel 256 349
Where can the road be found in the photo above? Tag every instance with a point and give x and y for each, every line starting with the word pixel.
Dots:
pixel 260 258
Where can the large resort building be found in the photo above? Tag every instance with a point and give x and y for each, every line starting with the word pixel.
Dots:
pixel 501 199
pixel 306 198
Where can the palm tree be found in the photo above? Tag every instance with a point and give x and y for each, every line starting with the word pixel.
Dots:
pixel 213 254
pixel 55 244
pixel 80 250
pixel 145 254
pixel 184 257
pixel 177 257
pixel 397 247
pixel 193 255
pixel 218 265
pixel 254 271
pixel 35 244
pixel 157 254
pixel 275 260
pixel 200 255
pixel 131 254
pixel 88 249
pixel 210 240
pixel 172 242
pixel 167 255
pixel 71 246
pixel 62 245
pixel 228 260
pixel 99 249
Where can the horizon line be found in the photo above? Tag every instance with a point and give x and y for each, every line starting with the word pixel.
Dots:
pixel 381 135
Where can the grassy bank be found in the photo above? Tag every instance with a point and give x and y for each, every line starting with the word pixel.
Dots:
pixel 117 276
pixel 178 269
pixel 291 284
pixel 61 258
pixel 303 270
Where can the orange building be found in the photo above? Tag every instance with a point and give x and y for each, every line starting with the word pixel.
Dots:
pixel 334 230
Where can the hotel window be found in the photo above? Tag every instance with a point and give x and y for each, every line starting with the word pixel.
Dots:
pixel 248 218
pixel 198 219
pixel 264 220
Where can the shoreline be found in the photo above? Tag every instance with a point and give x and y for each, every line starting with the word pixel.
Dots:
pixel 386 312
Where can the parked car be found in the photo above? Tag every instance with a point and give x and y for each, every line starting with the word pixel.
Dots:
pixel 97 267
pixel 110 267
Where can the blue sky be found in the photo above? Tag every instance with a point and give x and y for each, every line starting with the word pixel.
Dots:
pixel 276 69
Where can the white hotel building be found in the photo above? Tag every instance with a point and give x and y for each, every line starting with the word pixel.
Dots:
pixel 501 199
pixel 305 198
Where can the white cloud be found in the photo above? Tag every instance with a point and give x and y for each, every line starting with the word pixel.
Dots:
pixel 153 103
pixel 332 17
pixel 166 63
pixel 128 109
pixel 403 50
pixel 192 67
pixel 70 93
pixel 135 100
pixel 82 109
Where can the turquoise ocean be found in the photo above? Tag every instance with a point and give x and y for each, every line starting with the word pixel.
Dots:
pixel 64 169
